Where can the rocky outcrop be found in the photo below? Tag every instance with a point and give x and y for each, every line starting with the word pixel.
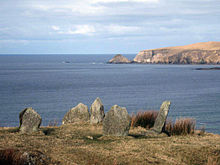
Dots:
pixel 30 121
pixel 119 59
pixel 80 113
pixel 199 53
pixel 117 122
pixel 97 112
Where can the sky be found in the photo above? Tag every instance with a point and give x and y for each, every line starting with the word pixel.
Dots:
pixel 104 26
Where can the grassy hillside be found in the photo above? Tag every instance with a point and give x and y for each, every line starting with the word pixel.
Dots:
pixel 211 45
pixel 84 144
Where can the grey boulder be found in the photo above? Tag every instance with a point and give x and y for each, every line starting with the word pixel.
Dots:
pixel 80 113
pixel 97 112
pixel 30 121
pixel 117 122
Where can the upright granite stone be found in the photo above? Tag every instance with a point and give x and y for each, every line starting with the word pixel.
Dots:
pixel 30 121
pixel 80 113
pixel 97 112
pixel 117 122
pixel 162 116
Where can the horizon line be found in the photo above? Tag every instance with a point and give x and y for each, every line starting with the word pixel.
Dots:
pixel 68 54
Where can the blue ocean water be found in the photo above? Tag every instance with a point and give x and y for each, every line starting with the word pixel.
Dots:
pixel 52 84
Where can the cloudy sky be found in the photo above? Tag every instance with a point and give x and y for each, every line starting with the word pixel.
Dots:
pixel 104 26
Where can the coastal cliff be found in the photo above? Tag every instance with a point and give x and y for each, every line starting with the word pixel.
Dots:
pixel 199 53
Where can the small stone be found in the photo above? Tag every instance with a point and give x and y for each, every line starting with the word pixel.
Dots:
pixel 97 112
pixel 162 116
pixel 80 113
pixel 30 121
pixel 90 137
pixel 117 122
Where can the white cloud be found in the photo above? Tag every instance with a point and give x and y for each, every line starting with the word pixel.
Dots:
pixel 85 7
pixel 44 7
pixel 97 29
pixel 120 29
pixel 80 29
pixel 81 8
pixel 56 28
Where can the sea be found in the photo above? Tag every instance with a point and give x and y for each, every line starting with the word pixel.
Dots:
pixel 53 84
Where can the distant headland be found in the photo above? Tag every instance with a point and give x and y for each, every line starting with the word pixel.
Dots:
pixel 198 53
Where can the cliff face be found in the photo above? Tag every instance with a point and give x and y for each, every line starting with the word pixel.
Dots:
pixel 119 59
pixel 199 53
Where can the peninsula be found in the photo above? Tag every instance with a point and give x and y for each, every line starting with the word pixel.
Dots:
pixel 198 53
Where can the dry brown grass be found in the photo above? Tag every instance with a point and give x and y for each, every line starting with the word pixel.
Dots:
pixel 182 126
pixel 11 156
pixel 72 144
pixel 212 45
pixel 19 157
pixel 214 159
pixel 144 119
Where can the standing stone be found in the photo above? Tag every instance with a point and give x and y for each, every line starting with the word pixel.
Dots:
pixel 80 113
pixel 162 116
pixel 117 122
pixel 30 121
pixel 97 111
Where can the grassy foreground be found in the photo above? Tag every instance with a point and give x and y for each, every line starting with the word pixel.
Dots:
pixel 84 144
